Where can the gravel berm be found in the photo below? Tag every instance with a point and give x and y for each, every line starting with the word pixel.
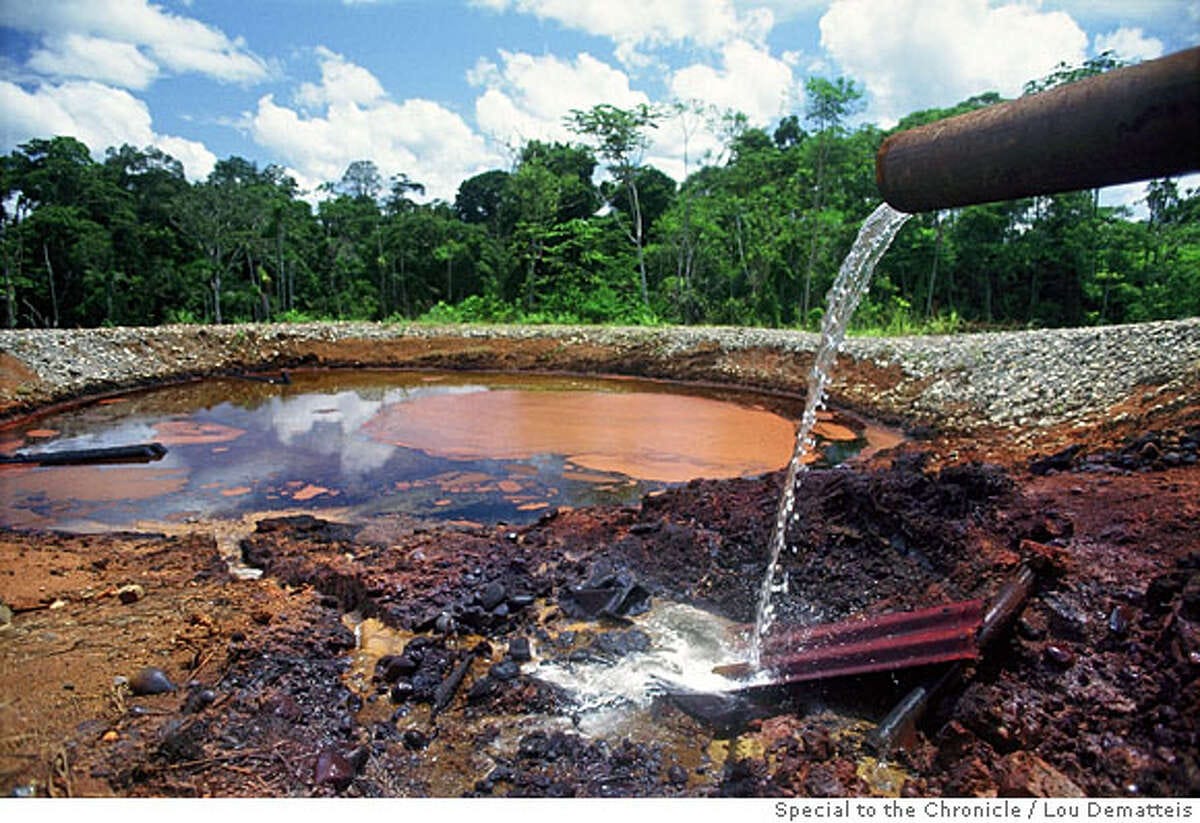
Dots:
pixel 1018 380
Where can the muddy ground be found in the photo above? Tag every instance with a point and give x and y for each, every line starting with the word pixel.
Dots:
pixel 388 658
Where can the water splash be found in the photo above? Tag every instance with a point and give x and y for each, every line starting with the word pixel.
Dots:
pixel 873 239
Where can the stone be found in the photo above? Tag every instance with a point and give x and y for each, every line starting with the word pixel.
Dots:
pixel 1118 620
pixel 333 769
pixel 392 667
pixel 1058 655
pixel 504 670
pixel 151 681
pixel 520 649
pixel 493 595
pixel 415 740
pixel 401 691
pixel 130 593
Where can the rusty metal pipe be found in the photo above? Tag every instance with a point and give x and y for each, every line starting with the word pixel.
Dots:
pixel 1130 124
pixel 900 726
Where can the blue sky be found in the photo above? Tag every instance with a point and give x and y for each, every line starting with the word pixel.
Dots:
pixel 444 89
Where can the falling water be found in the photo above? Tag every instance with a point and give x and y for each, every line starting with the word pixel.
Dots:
pixel 848 288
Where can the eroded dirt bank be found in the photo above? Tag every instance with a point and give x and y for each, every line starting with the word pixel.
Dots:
pixel 389 657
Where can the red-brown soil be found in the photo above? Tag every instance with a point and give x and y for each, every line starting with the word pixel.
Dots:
pixel 1095 690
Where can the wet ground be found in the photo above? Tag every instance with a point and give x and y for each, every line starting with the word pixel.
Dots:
pixel 395 656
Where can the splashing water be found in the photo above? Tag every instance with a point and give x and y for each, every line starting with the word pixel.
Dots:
pixel 873 239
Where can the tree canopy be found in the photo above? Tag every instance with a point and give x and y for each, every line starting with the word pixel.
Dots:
pixel 579 232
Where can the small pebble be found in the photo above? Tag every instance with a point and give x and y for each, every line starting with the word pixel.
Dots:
pixel 130 593
pixel 401 691
pixel 1118 620
pixel 151 681
pixel 492 595
pixel 1059 656
pixel 504 670
pixel 519 650
pixel 332 769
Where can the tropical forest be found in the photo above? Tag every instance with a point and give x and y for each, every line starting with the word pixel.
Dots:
pixel 584 231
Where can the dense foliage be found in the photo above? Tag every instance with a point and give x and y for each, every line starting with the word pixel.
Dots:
pixel 752 236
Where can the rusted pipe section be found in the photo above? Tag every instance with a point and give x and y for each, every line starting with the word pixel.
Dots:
pixel 938 634
pixel 1130 124
pixel 899 727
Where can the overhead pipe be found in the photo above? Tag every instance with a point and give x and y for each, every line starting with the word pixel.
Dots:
pixel 1130 124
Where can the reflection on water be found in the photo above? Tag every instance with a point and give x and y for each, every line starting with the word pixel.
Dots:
pixel 456 446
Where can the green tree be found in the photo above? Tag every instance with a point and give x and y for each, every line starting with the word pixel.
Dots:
pixel 621 138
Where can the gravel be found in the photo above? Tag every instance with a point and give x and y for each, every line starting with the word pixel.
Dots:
pixel 1008 379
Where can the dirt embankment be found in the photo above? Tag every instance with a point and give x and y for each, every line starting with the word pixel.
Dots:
pixel 1025 385
pixel 390 658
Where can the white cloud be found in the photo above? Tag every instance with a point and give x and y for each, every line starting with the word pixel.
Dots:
pixel 634 23
pixel 177 43
pixel 341 81
pixel 527 97
pixel 75 55
pixel 417 137
pixel 749 80
pixel 100 116
pixel 915 54
pixel 1130 45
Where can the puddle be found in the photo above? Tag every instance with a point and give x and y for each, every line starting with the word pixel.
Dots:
pixel 463 447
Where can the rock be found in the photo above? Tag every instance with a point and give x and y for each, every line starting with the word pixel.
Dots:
pixel 726 714
pixel 1059 461
pixel 130 593
pixel 1058 655
pixel 401 691
pixel 333 769
pixel 1067 620
pixel 6 616
pixel 391 668
pixel 504 670
pixel 493 595
pixel 1023 774
pixel 151 681
pixel 607 593
pixel 415 740
pixel 1118 620
pixel 520 650
pixel 619 644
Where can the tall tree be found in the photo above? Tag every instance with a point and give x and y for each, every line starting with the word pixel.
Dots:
pixel 621 137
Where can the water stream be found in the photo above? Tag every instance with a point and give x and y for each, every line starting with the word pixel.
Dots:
pixel 851 283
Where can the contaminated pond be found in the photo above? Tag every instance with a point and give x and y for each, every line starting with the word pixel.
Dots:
pixel 453 446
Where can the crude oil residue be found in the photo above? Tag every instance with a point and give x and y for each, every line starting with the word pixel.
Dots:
pixel 456 446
